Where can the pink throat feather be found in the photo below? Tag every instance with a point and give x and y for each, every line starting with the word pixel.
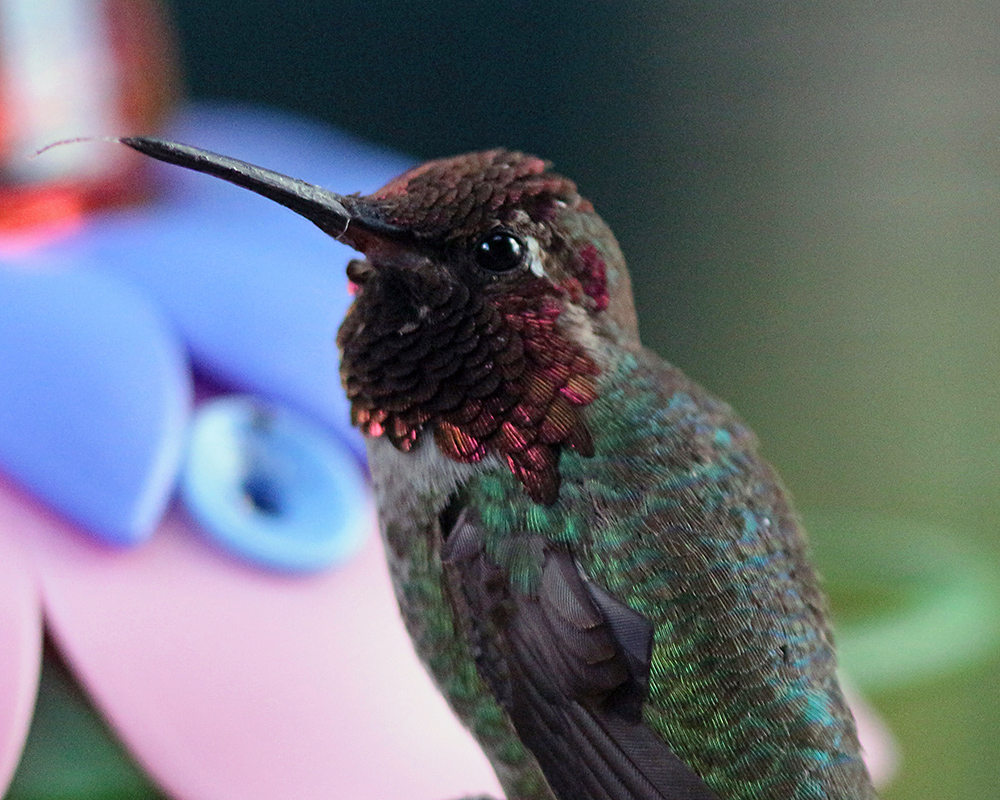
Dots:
pixel 504 381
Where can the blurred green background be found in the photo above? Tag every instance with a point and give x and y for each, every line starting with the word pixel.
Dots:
pixel 808 195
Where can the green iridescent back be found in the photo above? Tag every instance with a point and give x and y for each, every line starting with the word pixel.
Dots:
pixel 677 515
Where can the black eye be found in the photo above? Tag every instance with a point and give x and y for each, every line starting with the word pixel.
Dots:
pixel 499 251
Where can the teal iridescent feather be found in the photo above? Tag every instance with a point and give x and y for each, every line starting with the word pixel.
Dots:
pixel 677 515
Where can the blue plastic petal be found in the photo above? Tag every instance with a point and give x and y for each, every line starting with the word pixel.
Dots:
pixel 273 487
pixel 257 315
pixel 257 292
pixel 95 398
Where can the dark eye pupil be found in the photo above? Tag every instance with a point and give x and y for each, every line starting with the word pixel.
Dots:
pixel 499 252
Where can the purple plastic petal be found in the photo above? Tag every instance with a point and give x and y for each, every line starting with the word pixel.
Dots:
pixel 95 399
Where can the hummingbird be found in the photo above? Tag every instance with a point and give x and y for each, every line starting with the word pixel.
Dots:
pixel 604 578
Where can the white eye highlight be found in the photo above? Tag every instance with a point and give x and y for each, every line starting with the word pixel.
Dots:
pixel 535 258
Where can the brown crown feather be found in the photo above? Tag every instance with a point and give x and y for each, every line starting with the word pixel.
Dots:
pixel 462 195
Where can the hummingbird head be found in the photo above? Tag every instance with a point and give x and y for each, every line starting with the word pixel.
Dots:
pixel 483 302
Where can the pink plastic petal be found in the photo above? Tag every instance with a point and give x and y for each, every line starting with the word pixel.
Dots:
pixel 229 683
pixel 877 743
pixel 20 633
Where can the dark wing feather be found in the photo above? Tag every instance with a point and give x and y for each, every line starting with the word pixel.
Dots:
pixel 570 665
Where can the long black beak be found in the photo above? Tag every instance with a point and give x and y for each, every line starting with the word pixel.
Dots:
pixel 332 213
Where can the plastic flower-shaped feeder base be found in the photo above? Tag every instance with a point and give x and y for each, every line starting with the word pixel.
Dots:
pixel 255 686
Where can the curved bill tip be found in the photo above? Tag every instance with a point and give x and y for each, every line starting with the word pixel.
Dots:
pixel 320 206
